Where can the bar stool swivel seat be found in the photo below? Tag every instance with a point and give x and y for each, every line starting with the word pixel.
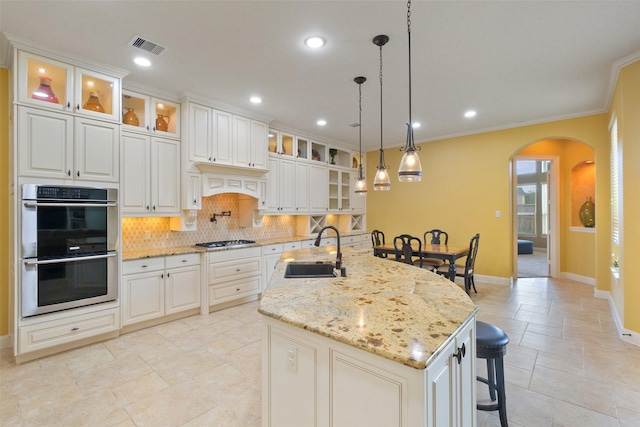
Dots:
pixel 491 344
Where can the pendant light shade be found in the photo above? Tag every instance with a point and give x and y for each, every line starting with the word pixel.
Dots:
pixel 382 181
pixel 410 169
pixel 361 183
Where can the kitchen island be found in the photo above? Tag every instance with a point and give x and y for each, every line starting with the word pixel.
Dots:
pixel 388 345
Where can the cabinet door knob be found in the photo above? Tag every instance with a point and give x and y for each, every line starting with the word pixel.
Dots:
pixel 459 354
pixel 147 207
pixel 195 202
pixel 147 127
pixel 154 207
pixel 162 276
pixel 75 328
pixel 237 289
pixel 68 104
pixel 78 173
pixel 69 172
pixel 78 107
pixel 154 128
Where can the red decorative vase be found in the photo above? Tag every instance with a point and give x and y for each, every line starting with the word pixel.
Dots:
pixel 44 92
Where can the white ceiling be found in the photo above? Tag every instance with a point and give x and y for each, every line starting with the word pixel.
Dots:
pixel 514 62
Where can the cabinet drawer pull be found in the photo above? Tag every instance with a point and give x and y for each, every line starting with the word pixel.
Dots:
pixel 237 289
pixel 237 269
pixel 144 266
pixel 184 260
pixel 75 328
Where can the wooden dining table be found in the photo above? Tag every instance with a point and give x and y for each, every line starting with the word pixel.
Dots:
pixel 448 253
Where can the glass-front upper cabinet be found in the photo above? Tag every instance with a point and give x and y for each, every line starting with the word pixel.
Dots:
pixel 145 113
pixel 281 143
pixel 303 148
pixel 56 85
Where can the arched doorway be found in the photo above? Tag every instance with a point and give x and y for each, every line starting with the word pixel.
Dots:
pixel 544 210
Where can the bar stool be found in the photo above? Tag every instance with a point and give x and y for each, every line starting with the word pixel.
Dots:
pixel 491 344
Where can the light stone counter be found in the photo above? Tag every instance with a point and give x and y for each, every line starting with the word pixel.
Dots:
pixel 397 311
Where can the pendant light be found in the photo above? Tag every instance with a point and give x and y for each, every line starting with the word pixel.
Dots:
pixel 381 182
pixel 410 169
pixel 361 183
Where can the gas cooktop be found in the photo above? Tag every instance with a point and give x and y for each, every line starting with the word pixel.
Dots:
pixel 226 243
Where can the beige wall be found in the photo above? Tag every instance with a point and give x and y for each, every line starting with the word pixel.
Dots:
pixel 4 201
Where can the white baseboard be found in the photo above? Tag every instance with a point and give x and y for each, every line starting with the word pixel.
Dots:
pixel 624 334
pixel 493 280
pixel 577 278
pixel 5 341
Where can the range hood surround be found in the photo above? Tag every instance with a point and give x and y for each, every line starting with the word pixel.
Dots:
pixel 250 187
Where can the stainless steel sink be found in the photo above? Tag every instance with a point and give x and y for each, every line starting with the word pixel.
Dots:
pixel 301 269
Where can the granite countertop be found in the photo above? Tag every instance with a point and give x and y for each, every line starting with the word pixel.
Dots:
pixel 397 311
pixel 177 250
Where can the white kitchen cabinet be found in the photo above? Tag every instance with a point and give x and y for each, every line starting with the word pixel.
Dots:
pixel 318 188
pixel 192 191
pixel 270 256
pixel 234 275
pixel 249 143
pixel 302 187
pixel 281 143
pixel 55 85
pixel 358 202
pixel 60 146
pixel 451 382
pixel 208 135
pixel 339 190
pixel 281 184
pixel 309 379
pixel 150 176
pixel 65 330
pixel 145 113
pixel 156 287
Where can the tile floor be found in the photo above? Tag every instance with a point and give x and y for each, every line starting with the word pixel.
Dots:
pixel 565 366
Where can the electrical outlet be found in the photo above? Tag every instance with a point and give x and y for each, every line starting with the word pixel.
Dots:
pixel 147 235
pixel 292 358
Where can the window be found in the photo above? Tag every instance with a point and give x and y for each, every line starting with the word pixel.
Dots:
pixel 526 206
pixel 615 184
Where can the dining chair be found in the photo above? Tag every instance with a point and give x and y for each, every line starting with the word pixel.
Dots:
pixel 467 269
pixel 435 237
pixel 405 245
pixel 377 239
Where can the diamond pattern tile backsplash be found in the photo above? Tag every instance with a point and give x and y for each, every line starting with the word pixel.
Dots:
pixel 135 230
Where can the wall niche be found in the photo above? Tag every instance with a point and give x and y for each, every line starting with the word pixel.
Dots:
pixel 583 188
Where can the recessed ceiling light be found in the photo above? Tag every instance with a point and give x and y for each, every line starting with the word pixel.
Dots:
pixel 470 114
pixel 321 122
pixel 255 99
pixel 314 42
pixel 143 62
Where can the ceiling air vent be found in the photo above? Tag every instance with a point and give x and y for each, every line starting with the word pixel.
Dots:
pixel 147 45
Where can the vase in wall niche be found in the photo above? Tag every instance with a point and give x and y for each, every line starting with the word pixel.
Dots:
pixel 93 103
pixel 44 91
pixel 588 213
pixel 162 122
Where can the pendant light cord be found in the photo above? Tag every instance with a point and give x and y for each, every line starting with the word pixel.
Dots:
pixel 409 35
pixel 360 128
pixel 381 150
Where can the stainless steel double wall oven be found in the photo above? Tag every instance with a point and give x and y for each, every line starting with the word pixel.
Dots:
pixel 69 245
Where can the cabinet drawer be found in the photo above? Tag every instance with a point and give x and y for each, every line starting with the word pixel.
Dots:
pixel 56 332
pixel 182 260
pixel 233 289
pixel 291 246
pixel 273 249
pixel 234 254
pixel 222 271
pixel 142 265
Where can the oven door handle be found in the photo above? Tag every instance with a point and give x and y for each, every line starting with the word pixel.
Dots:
pixel 73 259
pixel 108 204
